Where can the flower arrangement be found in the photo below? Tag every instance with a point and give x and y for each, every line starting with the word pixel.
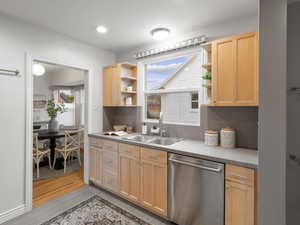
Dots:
pixel 54 108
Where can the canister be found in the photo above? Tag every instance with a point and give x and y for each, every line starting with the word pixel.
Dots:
pixel 211 138
pixel 227 138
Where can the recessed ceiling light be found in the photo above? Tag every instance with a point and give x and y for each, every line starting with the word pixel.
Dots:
pixel 160 33
pixel 101 29
pixel 38 69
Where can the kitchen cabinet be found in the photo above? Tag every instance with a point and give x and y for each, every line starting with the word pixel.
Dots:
pixel 235 70
pixel 95 165
pixel 110 165
pixel 154 180
pixel 240 196
pixel 129 165
pixel 96 160
pixel 137 174
pixel 119 83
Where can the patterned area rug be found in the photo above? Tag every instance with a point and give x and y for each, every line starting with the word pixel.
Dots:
pixel 96 211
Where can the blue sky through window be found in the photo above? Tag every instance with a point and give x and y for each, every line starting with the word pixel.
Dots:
pixel 158 72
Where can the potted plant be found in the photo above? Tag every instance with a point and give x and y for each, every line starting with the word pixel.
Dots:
pixel 207 78
pixel 53 110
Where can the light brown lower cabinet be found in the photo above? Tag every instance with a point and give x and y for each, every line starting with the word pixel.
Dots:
pixel 110 166
pixel 129 166
pixel 154 187
pixel 96 165
pixel 154 180
pixel 140 175
pixel 240 196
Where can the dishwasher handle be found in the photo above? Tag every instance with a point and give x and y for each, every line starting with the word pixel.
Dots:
pixel 217 170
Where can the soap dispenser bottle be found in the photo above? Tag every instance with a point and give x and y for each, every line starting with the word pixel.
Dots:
pixel 144 129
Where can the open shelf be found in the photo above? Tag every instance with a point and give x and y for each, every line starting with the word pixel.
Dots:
pixel 128 78
pixel 206 85
pixel 207 66
pixel 128 92
pixel 207 46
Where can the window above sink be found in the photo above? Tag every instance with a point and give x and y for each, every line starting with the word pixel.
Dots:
pixel 172 85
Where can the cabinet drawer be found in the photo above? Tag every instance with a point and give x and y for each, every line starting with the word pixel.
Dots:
pixel 240 174
pixel 110 181
pixel 96 142
pixel 110 146
pixel 155 156
pixel 110 161
pixel 131 151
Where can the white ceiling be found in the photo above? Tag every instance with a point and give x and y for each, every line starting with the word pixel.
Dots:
pixel 129 21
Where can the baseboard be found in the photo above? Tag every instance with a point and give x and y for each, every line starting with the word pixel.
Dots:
pixel 10 214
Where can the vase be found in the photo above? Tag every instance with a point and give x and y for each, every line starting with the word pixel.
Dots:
pixel 53 125
pixel 207 82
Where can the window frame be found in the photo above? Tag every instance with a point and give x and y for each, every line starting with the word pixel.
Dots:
pixel 192 101
pixel 142 85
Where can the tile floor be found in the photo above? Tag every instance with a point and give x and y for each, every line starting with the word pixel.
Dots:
pixel 54 207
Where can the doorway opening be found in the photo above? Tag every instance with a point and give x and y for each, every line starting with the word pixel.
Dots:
pixel 59 106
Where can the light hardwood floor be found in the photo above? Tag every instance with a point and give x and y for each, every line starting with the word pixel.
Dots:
pixel 47 189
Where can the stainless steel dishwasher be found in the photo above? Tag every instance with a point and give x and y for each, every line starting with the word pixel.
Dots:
pixel 196 191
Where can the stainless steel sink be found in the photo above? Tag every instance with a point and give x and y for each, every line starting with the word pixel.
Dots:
pixel 140 138
pixel 153 139
pixel 165 141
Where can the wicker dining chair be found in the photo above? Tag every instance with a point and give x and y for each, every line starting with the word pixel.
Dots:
pixel 39 153
pixel 72 143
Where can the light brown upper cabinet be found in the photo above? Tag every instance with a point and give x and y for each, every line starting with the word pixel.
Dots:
pixel 119 85
pixel 235 71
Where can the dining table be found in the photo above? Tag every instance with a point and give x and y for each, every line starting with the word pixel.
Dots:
pixel 52 137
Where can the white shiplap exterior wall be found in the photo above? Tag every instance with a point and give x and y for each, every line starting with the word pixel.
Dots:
pixel 177 106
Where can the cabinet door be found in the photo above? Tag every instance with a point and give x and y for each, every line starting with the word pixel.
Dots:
pixel 129 177
pixel 110 170
pixel 96 165
pixel 239 204
pixel 223 71
pixel 92 164
pixel 246 69
pixel 111 86
pixel 154 187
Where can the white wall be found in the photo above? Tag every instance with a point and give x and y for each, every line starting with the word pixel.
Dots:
pixel 189 76
pixel 212 32
pixel 16 39
pixel 67 76
pixel 41 84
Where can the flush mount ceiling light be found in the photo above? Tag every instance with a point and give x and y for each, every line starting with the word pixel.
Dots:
pixel 160 34
pixel 38 69
pixel 101 29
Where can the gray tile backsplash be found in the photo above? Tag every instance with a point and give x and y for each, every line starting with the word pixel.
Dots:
pixel 243 119
pixel 120 116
